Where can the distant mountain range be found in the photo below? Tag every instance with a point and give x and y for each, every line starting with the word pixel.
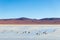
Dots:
pixel 24 20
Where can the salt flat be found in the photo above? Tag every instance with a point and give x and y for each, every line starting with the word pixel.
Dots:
pixel 30 32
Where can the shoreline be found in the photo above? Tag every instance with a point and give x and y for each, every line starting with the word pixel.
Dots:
pixel 29 24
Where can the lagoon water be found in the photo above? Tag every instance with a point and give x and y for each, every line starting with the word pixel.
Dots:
pixel 30 32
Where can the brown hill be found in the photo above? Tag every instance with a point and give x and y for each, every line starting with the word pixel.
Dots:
pixel 24 20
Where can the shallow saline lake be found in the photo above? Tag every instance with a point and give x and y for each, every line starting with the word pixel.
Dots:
pixel 29 32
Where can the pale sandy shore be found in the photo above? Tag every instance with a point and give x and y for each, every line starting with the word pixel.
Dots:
pixel 33 25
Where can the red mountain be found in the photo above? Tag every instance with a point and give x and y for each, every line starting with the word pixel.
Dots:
pixel 24 20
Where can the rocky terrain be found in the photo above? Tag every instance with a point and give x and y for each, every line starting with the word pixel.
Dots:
pixel 24 20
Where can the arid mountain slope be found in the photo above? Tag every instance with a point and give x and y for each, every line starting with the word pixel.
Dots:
pixel 24 20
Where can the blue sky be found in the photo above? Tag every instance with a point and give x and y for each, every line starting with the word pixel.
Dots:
pixel 29 8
